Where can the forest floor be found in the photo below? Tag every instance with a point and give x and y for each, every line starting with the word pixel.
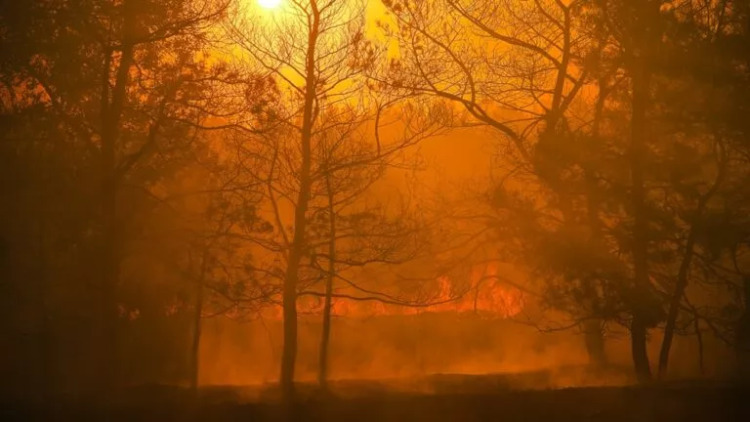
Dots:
pixel 454 398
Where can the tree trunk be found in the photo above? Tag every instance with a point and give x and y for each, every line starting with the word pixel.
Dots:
pixel 196 346
pixel 674 305
pixel 641 79
pixel 639 343
pixel 594 329
pixel 197 329
pixel 682 275
pixel 326 330
pixel 111 260
pixel 289 353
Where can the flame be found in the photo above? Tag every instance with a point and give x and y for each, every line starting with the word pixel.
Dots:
pixel 487 295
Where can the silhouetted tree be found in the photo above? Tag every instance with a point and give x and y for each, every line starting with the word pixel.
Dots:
pixel 315 52
pixel 116 81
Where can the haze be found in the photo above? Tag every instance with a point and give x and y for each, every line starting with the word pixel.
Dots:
pixel 315 205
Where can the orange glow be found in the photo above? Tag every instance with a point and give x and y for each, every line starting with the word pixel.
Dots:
pixel 487 297
pixel 269 4
pixel 486 187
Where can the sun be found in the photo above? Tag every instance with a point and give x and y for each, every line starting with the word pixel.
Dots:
pixel 269 4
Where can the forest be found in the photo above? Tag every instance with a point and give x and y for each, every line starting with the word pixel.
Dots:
pixel 289 202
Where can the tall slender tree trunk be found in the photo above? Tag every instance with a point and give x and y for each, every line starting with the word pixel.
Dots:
pixel 112 108
pixel 110 240
pixel 289 353
pixel 639 324
pixel 594 329
pixel 639 343
pixel 643 31
pixel 326 330
pixel 674 304
pixel 683 273
pixel 699 340
pixel 195 347
pixel 641 82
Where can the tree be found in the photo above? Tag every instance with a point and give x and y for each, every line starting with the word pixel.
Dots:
pixel 635 25
pixel 318 152
pixel 117 79
pixel 522 76
pixel 143 29
pixel 314 52
pixel 353 232
pixel 702 58
pixel 297 44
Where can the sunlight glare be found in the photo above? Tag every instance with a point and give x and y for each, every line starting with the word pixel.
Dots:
pixel 269 4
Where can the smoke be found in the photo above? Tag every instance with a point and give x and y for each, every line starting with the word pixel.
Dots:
pixel 385 347
pixel 429 353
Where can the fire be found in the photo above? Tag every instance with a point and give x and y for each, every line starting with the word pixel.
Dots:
pixel 486 295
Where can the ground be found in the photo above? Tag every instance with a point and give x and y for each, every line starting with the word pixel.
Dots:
pixel 456 398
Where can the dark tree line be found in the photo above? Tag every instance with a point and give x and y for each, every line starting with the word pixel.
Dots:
pixel 160 168
pixel 625 151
